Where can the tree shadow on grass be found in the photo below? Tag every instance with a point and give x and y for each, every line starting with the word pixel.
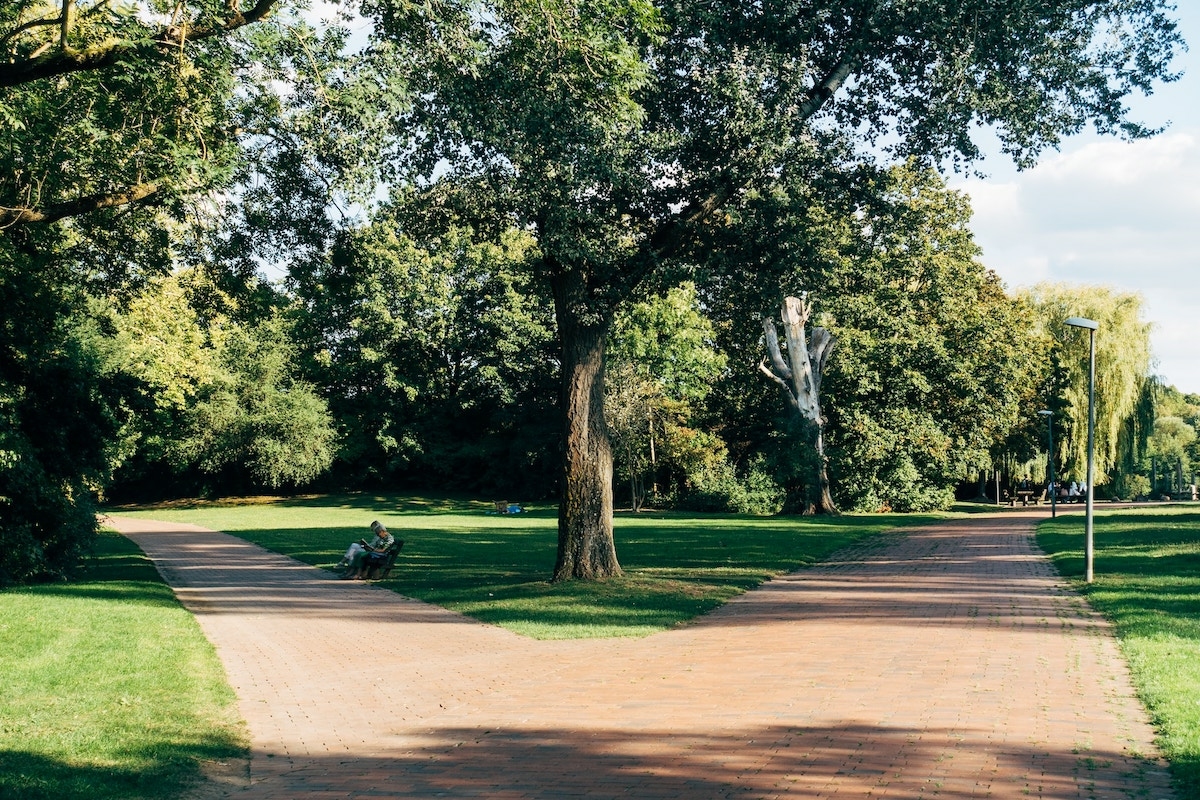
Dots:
pixel 169 771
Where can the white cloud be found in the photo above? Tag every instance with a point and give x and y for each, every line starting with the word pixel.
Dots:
pixel 1126 215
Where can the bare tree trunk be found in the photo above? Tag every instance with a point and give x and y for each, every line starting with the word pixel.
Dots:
pixel 800 378
pixel 585 517
pixel 654 460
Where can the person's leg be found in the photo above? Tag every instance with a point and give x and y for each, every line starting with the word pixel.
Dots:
pixel 356 564
pixel 353 551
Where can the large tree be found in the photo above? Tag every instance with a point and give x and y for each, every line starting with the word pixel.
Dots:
pixel 1123 362
pixel 934 362
pixel 620 131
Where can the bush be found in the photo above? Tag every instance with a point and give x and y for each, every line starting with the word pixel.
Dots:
pixel 721 490
pixel 60 410
pixel 1128 487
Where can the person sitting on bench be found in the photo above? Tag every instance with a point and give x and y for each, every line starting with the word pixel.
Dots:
pixel 357 552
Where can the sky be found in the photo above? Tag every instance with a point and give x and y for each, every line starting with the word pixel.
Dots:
pixel 1123 215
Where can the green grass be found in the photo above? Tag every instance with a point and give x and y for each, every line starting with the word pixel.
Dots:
pixel 109 688
pixel 495 568
pixel 1147 581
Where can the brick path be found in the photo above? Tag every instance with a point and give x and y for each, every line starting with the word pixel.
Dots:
pixel 948 662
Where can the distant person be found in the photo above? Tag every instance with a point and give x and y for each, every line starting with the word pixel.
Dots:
pixel 358 551
pixel 1073 492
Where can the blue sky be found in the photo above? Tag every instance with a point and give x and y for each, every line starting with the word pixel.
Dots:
pixel 1125 215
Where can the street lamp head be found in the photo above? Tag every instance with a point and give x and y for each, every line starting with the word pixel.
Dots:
pixel 1045 413
pixel 1082 322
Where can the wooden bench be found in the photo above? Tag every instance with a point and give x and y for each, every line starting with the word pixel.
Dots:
pixel 377 566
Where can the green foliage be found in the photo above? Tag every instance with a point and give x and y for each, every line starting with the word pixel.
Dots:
pixel 1171 441
pixel 933 363
pixel 256 419
pixel 222 396
pixel 662 361
pixel 102 108
pixel 434 356
pixel 720 489
pixel 61 405
pixel 1148 584
pixel 1122 370
pixel 111 690
pixel 670 340
pixel 1131 486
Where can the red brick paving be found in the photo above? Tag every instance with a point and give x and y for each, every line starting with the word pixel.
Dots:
pixel 949 662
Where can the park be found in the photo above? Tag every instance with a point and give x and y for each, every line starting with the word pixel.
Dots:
pixel 651 345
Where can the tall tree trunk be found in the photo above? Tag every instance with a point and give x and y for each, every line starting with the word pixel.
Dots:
pixel 585 515
pixel 799 375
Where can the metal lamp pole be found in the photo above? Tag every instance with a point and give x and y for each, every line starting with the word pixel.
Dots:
pixel 1049 415
pixel 1091 325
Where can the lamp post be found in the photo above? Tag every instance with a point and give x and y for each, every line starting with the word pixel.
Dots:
pixel 1091 325
pixel 1049 415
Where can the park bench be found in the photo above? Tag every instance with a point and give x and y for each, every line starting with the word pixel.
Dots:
pixel 1038 496
pixel 377 566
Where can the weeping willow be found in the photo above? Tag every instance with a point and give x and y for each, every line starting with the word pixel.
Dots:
pixel 1123 379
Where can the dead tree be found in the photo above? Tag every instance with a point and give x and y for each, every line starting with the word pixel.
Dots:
pixel 799 375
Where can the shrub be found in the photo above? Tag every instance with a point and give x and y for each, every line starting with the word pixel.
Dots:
pixel 720 489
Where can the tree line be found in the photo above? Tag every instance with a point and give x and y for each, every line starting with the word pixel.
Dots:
pixel 522 248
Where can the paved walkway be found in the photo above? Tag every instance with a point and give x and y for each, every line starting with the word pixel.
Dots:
pixel 948 662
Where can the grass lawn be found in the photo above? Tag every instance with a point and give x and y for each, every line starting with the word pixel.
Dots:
pixel 1147 581
pixel 495 568
pixel 109 688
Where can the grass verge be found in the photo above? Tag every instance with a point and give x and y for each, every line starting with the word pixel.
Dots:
pixel 110 689
pixel 1147 581
pixel 495 568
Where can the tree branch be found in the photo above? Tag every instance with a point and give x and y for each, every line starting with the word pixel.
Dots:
pixel 818 352
pixel 64 28
pixel 66 60
pixel 787 387
pixel 781 367
pixel 33 23
pixel 10 217
pixel 825 88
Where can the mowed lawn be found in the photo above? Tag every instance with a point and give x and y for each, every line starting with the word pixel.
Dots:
pixel 108 689
pixel 461 555
pixel 1147 581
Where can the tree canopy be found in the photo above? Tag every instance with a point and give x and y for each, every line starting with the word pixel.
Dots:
pixel 1123 369
pixel 622 133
